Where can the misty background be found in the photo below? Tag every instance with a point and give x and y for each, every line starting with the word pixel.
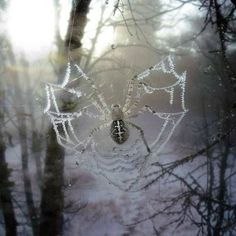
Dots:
pixel 188 187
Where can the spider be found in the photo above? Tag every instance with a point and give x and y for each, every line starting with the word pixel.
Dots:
pixel 117 117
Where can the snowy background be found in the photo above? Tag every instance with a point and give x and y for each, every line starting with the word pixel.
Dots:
pixel 185 188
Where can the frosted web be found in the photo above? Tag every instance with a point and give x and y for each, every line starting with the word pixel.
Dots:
pixel 122 165
pixel 170 119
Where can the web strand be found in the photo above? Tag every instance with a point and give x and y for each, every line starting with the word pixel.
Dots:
pixel 124 166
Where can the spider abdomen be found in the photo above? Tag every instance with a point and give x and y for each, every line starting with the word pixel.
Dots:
pixel 119 131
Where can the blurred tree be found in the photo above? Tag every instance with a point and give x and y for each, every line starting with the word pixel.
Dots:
pixel 221 16
pixel 20 111
pixel 8 58
pixel 5 184
pixel 206 196
pixel 5 173
pixel 52 201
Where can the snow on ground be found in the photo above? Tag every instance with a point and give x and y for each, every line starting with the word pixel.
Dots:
pixel 96 207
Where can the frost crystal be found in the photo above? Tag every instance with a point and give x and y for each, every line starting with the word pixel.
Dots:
pixel 123 165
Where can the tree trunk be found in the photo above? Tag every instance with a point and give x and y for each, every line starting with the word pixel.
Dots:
pixel 52 202
pixel 37 143
pixel 5 192
pixel 19 100
pixel 222 189
pixel 77 22
pixel 26 178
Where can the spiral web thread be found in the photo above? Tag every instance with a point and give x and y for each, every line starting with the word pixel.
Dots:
pixel 61 121
pixel 171 119
pixel 122 160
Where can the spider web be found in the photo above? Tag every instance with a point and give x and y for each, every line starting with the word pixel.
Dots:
pixel 122 165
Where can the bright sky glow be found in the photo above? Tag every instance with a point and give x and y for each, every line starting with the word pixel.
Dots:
pixel 31 25
pixel 176 23
pixel 65 8
pixel 96 16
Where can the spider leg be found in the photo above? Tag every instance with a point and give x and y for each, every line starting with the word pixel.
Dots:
pixel 98 128
pixel 99 99
pixel 128 108
pixel 141 135
pixel 92 132
pixel 135 115
pixel 167 67
pixel 170 116
pixel 129 95
pixel 149 109
pixel 137 78
pixel 83 145
pixel 90 114
pixel 171 120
